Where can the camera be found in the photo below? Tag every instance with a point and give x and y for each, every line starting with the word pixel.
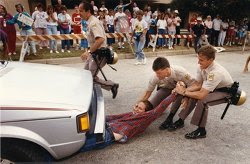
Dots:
pixel 107 53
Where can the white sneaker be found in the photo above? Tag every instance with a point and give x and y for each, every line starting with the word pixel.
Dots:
pixel 40 48
pixel 9 54
pixel 138 63
pixel 51 51
pixel 57 52
pixel 68 51
pixel 62 50
pixel 14 53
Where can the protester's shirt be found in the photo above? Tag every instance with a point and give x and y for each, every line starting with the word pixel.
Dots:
pixel 209 24
pixel 162 24
pixel 177 74
pixel 171 24
pixel 147 19
pixel 119 15
pixel 40 19
pixel 152 28
pixel 139 26
pixel 198 29
pixel 193 21
pixel 178 21
pixel 84 25
pixel 20 24
pixel 63 18
pixel 224 26
pixel 52 22
pixel 130 125
pixel 76 18
pixel 214 77
pixel 110 20
pixel 8 28
pixel 217 24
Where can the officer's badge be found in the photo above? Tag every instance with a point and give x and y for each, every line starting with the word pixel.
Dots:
pixel 210 77
pixel 187 77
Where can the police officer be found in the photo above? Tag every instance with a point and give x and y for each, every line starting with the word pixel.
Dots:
pixel 165 79
pixel 97 39
pixel 211 79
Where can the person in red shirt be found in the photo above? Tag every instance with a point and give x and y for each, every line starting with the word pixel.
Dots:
pixel 122 127
pixel 76 19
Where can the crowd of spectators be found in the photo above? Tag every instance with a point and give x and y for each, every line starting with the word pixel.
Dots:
pixel 56 19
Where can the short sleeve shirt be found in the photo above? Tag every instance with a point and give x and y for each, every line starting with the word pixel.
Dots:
pixel 177 74
pixel 95 29
pixel 214 77
pixel 139 26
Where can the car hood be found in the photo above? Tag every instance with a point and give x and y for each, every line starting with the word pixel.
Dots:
pixel 38 86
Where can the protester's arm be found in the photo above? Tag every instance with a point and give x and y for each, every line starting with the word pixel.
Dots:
pixel 201 94
pixel 163 105
pixel 13 20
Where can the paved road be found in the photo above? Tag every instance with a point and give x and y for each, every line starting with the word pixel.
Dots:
pixel 228 141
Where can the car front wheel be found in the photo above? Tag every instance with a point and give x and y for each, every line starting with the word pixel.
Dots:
pixel 16 150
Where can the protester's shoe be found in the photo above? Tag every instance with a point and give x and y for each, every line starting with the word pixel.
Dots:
pixel 14 53
pixel 196 134
pixel 166 124
pixel 68 51
pixel 138 63
pixel 40 48
pixel 177 125
pixel 114 90
pixel 51 51
pixel 57 52
pixel 62 50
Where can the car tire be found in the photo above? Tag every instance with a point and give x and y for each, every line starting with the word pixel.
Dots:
pixel 16 150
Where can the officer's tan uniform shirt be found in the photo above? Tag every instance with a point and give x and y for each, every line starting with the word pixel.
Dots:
pixel 177 74
pixel 95 29
pixel 214 77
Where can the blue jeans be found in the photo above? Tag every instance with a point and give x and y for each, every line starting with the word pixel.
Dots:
pixel 170 40
pixel 139 45
pixel 65 42
pixel 161 41
pixel 91 143
pixel 31 43
pixel 52 29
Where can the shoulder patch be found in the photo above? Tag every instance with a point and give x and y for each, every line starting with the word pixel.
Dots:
pixel 210 77
pixel 187 77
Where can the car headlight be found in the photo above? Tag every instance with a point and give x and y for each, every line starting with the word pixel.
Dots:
pixel 82 122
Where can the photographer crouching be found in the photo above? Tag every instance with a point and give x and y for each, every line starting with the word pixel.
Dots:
pixel 97 56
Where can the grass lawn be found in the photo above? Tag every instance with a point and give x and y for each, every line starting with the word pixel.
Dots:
pixel 44 53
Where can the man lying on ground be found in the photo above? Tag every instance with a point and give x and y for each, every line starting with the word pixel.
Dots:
pixel 122 127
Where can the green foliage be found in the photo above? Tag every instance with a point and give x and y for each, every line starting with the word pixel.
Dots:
pixel 234 9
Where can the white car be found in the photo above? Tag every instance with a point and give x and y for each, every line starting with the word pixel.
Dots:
pixel 46 111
